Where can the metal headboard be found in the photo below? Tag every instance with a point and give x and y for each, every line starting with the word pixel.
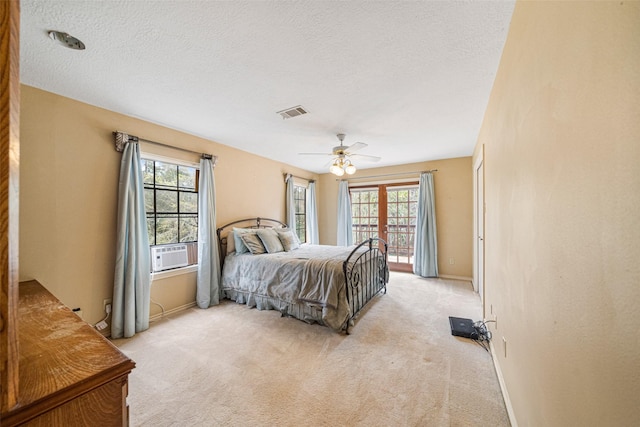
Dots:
pixel 256 222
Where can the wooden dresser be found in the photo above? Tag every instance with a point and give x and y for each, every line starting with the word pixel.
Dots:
pixel 69 375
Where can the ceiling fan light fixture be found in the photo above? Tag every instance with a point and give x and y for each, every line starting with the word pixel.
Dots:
pixel 336 169
pixel 341 163
pixel 350 169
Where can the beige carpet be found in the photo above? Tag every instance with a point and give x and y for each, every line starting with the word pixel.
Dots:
pixel 231 365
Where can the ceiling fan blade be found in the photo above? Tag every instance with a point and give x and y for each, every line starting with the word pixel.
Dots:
pixel 355 147
pixel 328 164
pixel 366 157
pixel 315 154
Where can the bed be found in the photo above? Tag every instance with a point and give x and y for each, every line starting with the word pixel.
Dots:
pixel 329 285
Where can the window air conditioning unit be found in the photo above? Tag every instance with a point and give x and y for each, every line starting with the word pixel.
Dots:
pixel 166 257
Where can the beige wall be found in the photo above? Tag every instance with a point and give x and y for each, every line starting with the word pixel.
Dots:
pixel 454 215
pixel 562 188
pixel 68 195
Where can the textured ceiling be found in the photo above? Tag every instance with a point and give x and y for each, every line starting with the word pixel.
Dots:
pixel 411 79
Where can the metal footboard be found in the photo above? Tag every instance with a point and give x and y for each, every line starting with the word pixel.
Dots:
pixel 366 273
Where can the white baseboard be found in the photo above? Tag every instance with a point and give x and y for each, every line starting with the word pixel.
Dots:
pixel 503 387
pixel 173 310
pixel 448 276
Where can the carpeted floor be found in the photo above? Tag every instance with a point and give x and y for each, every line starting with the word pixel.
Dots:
pixel 234 366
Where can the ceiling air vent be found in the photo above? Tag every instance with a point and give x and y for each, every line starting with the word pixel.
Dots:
pixel 292 112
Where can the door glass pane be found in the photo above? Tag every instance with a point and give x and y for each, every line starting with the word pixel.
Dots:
pixel 364 210
pixel 401 216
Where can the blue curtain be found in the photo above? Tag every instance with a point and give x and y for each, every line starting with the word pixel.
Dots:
pixel 131 293
pixel 312 214
pixel 290 202
pixel 345 222
pixel 208 290
pixel 425 262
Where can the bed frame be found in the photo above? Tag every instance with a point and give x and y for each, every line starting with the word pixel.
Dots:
pixel 366 272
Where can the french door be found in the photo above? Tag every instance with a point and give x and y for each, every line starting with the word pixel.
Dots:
pixel 387 211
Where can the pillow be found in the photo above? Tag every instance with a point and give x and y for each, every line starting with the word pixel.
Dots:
pixel 253 243
pixel 270 240
pixel 231 243
pixel 295 235
pixel 241 248
pixel 288 239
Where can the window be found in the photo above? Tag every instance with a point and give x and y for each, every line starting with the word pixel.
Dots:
pixel 171 203
pixel 300 204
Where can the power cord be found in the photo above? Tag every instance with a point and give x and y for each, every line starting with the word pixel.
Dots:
pixel 484 334
pixel 159 305
pixel 101 325
pixel 154 302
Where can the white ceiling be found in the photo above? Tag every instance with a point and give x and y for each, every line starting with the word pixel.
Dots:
pixel 411 79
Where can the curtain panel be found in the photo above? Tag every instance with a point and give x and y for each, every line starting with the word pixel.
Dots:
pixel 290 204
pixel 312 214
pixel 132 279
pixel 425 261
pixel 345 221
pixel 208 289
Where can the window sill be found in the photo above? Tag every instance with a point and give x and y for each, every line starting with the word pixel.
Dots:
pixel 174 272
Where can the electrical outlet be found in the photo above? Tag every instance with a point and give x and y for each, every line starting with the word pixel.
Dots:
pixel 101 325
pixel 452 261
pixel 104 305
pixel 504 344
pixel 495 320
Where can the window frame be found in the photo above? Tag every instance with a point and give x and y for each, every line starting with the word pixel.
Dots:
pixel 192 244
pixel 298 214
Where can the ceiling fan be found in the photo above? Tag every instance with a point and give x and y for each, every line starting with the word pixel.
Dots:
pixel 342 156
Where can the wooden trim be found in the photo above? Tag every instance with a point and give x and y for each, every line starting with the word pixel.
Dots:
pixel 9 173
pixel 503 387
pixel 402 267
pixel 174 310
pixel 452 277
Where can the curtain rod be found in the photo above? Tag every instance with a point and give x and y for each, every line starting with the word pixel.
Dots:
pixel 122 138
pixel 286 175
pixel 388 174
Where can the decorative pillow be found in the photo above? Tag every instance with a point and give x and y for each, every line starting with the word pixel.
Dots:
pixel 288 239
pixel 231 243
pixel 295 235
pixel 253 243
pixel 241 248
pixel 270 240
